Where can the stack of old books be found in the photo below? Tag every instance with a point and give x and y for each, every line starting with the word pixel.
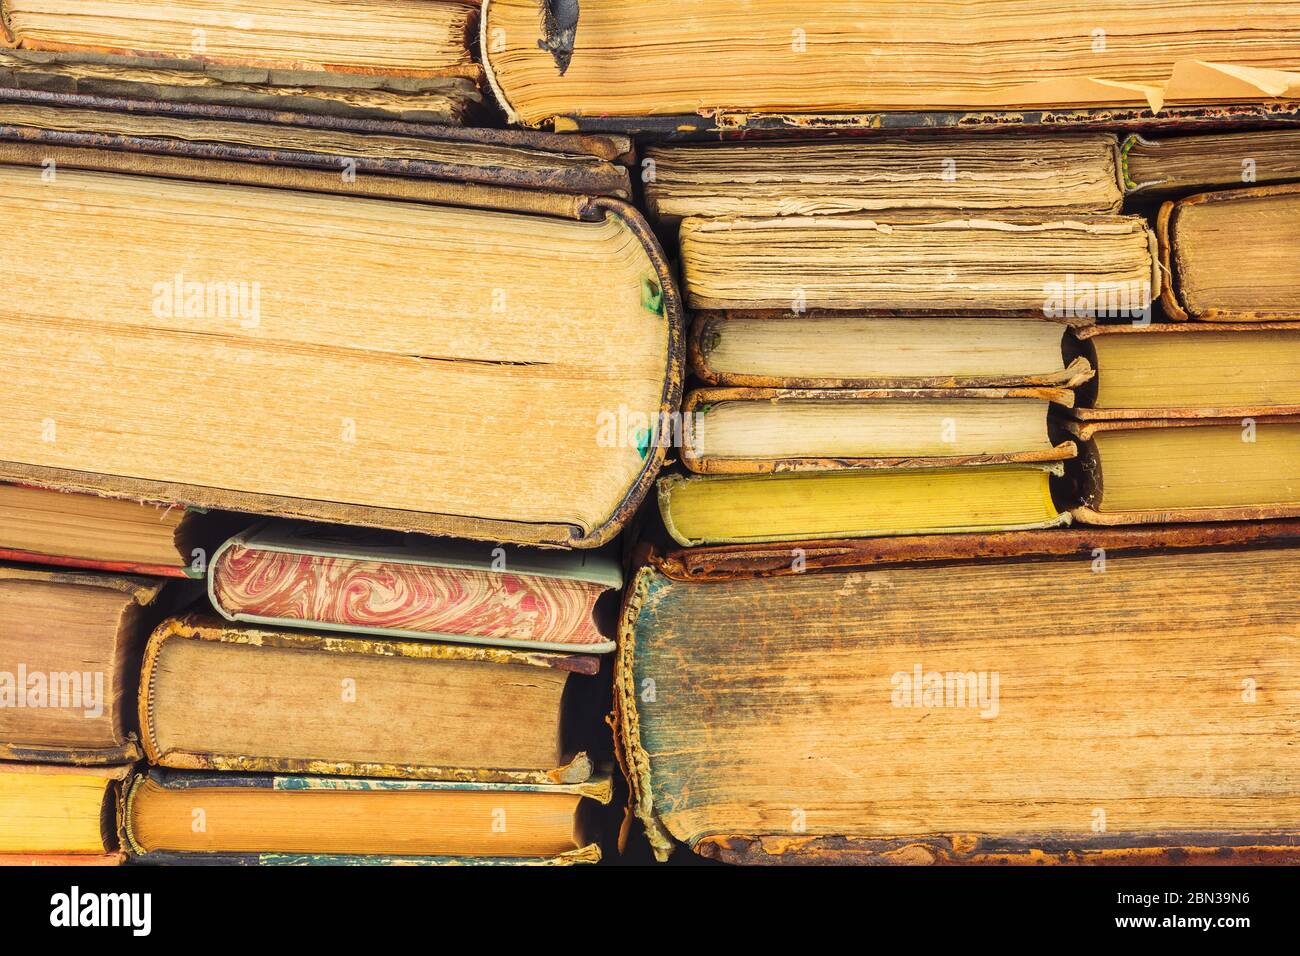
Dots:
pixel 321 413
pixel 371 697
pixel 391 334
pixel 879 328
pixel 972 694
pixel 82 581
pixel 379 59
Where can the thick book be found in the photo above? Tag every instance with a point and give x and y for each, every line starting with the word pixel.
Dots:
pixel 741 63
pixel 239 139
pixel 1148 471
pixel 1259 281
pixel 380 57
pixel 354 706
pixel 328 578
pixel 742 431
pixel 828 349
pixel 909 701
pixel 70 646
pixel 225 819
pixel 1075 266
pixel 737 509
pixel 379 351
pixel 1045 171
pixel 42 526
pixel 1189 370
pixel 60 816
pixel 1226 160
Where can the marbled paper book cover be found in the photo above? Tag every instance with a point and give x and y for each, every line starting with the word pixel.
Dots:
pixel 370 582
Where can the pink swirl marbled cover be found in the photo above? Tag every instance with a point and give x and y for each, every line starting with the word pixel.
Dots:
pixel 407 597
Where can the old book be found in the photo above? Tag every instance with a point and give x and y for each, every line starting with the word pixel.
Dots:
pixel 824 349
pixel 1258 282
pixel 1179 469
pixel 1074 701
pixel 352 706
pixel 59 815
pixel 41 526
pixel 725 509
pixel 501 159
pixel 1190 370
pixel 269 820
pixel 1082 266
pixel 176 84
pixel 771 430
pixel 318 45
pixel 351 351
pixel 967 172
pixel 377 59
pixel 608 58
pixel 70 645
pixel 1168 164
pixel 372 582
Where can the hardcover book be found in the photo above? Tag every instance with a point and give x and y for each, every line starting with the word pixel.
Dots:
pixel 371 582
pixel 1043 171
pixel 826 349
pixel 70 646
pixel 60 816
pixel 915 262
pixel 1144 471
pixel 741 63
pixel 908 701
pixel 41 526
pixel 359 352
pixel 1227 160
pixel 1258 282
pixel 730 509
pixel 771 430
pixel 353 706
pixel 240 139
pixel 374 57
pixel 280 820
pixel 1189 370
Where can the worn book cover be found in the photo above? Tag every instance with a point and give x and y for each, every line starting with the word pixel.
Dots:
pixel 759 431
pixel 1029 698
pixel 235 819
pixel 1258 282
pixel 398 437
pixel 70 647
pixel 57 815
pixel 312 703
pixel 697 63
pixel 1163 470
pixel 1188 370
pixel 388 58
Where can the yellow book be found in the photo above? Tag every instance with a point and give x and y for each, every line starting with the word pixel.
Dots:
pixel 733 509
pixel 52 810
